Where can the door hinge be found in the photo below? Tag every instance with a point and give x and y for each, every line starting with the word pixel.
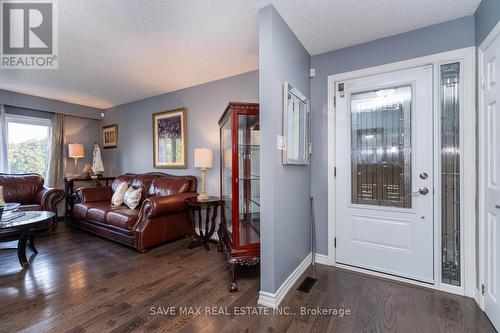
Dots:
pixel 483 289
pixel 334 171
pixel 334 101
pixel 335 242
pixel 483 84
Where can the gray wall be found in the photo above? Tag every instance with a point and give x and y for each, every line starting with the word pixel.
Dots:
pixel 49 105
pixel 82 130
pixel 487 16
pixel 76 129
pixel 285 190
pixel 204 103
pixel 442 37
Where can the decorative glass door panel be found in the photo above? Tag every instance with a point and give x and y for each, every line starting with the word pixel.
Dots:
pixel 248 180
pixel 381 147
pixel 450 173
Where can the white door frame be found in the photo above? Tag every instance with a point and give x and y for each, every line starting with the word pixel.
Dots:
pixel 482 156
pixel 466 56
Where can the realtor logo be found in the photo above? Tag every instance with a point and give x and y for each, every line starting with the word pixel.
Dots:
pixel 28 34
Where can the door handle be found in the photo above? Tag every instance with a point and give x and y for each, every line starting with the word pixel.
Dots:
pixel 422 190
pixel 497 206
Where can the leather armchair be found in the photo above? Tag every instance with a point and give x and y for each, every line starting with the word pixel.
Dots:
pixel 161 216
pixel 30 192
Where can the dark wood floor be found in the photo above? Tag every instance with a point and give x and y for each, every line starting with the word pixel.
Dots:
pixel 82 283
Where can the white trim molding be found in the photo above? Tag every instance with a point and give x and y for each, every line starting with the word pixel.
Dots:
pixel 321 259
pixel 273 300
pixel 466 57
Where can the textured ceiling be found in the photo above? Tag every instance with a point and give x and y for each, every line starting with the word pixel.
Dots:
pixel 325 25
pixel 115 51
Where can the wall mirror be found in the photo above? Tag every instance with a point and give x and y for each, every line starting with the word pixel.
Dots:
pixel 296 122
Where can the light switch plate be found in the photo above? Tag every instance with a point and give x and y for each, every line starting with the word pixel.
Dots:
pixel 280 142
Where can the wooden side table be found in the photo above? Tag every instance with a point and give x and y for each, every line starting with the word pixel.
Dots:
pixel 70 195
pixel 202 237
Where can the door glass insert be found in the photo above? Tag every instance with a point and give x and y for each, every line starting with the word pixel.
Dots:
pixel 450 173
pixel 381 147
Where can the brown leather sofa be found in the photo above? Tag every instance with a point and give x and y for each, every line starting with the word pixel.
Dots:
pixel 160 217
pixel 29 191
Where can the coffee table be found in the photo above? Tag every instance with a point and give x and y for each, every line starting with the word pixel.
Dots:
pixel 22 230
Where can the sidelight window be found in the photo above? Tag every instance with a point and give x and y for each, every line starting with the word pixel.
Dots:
pixel 450 173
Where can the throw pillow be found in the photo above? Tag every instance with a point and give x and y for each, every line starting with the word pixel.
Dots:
pixel 132 197
pixel 119 194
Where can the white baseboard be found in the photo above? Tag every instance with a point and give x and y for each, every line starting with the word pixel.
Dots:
pixel 273 300
pixel 321 259
pixel 477 298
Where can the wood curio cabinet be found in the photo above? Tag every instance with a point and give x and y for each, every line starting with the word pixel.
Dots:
pixel 239 232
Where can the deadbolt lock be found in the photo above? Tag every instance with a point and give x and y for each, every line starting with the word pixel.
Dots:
pixel 424 175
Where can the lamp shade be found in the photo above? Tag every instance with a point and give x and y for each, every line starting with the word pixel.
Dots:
pixel 203 158
pixel 75 150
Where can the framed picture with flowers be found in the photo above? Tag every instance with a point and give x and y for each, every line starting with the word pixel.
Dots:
pixel 169 139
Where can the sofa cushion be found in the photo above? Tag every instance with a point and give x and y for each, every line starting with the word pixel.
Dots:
pixel 98 213
pixel 167 185
pixel 122 218
pixel 95 209
pixel 120 179
pixel 119 194
pixel 144 182
pixel 20 188
pixel 132 197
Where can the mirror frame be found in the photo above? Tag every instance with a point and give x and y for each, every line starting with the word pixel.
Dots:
pixel 289 89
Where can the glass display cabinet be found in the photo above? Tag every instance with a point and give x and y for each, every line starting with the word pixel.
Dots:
pixel 239 230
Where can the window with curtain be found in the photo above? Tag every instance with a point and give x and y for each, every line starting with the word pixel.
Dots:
pixel 28 140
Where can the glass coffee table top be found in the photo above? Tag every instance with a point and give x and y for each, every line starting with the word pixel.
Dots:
pixel 10 206
pixel 27 218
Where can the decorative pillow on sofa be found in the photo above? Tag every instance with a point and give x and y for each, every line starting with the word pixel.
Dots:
pixel 132 197
pixel 119 194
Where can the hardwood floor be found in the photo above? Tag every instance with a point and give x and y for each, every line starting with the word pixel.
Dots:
pixel 82 283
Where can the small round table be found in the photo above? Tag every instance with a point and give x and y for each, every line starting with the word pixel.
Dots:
pixel 22 229
pixel 202 237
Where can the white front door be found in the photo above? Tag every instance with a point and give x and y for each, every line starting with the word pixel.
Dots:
pixel 491 114
pixel 384 175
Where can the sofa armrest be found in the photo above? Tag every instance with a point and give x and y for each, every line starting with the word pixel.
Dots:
pixel 48 198
pixel 157 206
pixel 93 194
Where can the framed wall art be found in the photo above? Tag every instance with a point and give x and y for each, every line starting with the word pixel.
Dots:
pixel 110 136
pixel 169 139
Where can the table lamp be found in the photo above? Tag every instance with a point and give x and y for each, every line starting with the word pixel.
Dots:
pixel 203 158
pixel 76 151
